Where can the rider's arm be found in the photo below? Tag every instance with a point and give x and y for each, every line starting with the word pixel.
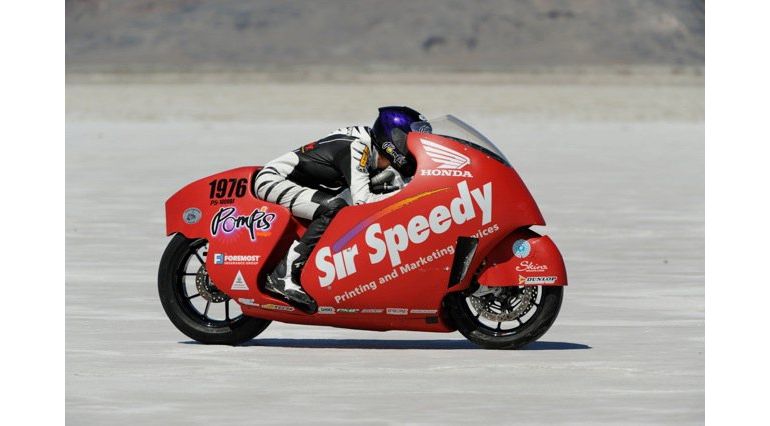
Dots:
pixel 360 162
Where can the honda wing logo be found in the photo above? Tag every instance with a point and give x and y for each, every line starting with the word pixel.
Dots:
pixel 449 160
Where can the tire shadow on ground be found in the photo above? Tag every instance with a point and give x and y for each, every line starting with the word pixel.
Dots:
pixel 435 344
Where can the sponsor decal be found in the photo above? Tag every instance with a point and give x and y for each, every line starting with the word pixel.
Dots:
pixel 358 228
pixel 347 311
pixel 536 280
pixel 249 302
pixel 363 165
pixel 481 233
pixel 274 307
pixel 236 259
pixel 397 159
pixel 450 173
pixel 390 242
pixel 527 266
pixel 521 248
pixel 423 311
pixel 372 311
pixel 356 291
pixel 192 216
pixel 325 310
pixel 335 263
pixel 405 268
pixel 239 283
pixel 446 158
pixel 224 191
pixel 396 311
pixel 227 221
pixel 423 261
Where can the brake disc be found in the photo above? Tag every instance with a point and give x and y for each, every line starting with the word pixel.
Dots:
pixel 206 288
pixel 503 303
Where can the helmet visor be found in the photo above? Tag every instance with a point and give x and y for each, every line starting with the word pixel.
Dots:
pixel 421 126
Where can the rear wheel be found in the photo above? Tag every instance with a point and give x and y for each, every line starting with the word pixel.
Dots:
pixel 193 302
pixel 505 317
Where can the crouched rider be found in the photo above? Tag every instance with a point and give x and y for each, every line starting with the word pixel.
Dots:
pixel 309 182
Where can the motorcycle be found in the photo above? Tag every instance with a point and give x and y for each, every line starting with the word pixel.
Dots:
pixel 452 251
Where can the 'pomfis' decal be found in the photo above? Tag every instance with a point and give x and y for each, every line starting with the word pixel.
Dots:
pixel 226 220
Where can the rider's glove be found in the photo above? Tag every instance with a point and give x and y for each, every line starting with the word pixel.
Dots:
pixel 388 180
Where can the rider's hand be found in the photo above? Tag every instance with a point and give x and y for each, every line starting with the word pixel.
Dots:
pixel 386 181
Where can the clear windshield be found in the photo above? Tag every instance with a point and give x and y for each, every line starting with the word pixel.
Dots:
pixel 450 125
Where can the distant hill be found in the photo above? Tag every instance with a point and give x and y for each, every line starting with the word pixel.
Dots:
pixel 487 35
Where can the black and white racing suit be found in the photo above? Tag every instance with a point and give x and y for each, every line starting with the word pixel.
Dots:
pixel 308 180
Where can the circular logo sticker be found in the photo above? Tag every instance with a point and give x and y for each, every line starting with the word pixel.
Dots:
pixel 192 216
pixel 521 248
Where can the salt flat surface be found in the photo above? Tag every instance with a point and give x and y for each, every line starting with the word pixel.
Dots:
pixel 623 198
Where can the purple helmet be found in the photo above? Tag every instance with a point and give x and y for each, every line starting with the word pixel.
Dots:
pixel 389 134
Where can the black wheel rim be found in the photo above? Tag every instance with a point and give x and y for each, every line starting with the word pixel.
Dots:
pixel 209 307
pixel 508 300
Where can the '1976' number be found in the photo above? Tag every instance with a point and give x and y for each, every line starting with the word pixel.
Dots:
pixel 224 188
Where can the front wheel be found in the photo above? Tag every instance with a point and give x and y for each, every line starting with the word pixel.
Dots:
pixel 192 301
pixel 505 317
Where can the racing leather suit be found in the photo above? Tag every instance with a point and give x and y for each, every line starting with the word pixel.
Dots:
pixel 308 181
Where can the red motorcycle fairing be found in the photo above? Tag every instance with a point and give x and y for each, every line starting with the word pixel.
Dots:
pixel 379 266
pixel 396 254
pixel 245 233
pixel 524 258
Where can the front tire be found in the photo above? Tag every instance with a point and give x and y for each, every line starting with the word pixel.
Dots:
pixel 527 312
pixel 190 299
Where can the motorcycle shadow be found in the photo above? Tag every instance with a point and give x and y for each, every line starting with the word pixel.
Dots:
pixel 435 344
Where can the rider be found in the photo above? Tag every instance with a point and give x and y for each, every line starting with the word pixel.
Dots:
pixel 309 181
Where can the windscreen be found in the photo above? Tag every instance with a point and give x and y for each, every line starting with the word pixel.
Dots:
pixel 450 125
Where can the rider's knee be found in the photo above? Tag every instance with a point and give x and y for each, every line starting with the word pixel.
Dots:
pixel 329 208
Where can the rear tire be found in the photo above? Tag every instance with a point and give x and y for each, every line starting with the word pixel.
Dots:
pixel 177 302
pixel 536 322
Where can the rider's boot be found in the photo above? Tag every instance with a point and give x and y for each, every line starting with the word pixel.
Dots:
pixel 284 280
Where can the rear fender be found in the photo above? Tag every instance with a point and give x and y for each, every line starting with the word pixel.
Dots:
pixel 189 210
pixel 246 235
pixel 524 258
